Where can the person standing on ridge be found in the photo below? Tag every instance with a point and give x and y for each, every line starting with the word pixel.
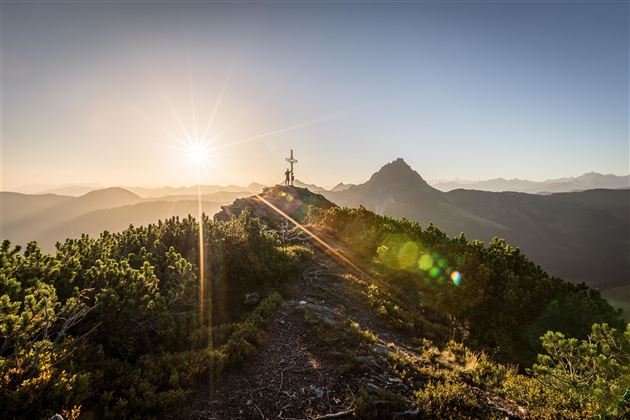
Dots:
pixel 290 176
pixel 287 177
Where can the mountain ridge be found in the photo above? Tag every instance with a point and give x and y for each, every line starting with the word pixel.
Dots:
pixel 589 180
pixel 576 235
pixel 581 236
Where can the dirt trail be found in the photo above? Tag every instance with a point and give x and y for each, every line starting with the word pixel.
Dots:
pixel 291 375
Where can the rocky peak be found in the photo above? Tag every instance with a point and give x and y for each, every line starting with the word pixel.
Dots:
pixel 398 174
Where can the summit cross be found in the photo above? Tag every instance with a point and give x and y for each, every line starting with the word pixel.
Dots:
pixel 291 161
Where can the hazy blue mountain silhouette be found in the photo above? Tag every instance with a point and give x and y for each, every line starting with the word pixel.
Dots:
pixel 587 181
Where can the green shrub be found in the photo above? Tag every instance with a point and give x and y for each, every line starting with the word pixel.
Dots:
pixel 585 376
pixel 450 400
pixel 113 324
pixel 500 301
pixel 482 372
pixel 163 380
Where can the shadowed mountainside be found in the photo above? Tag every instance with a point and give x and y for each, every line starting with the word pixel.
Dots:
pixel 30 227
pixel 581 236
pixel 399 191
pixel 619 297
pixel 120 218
pixel 16 206
pixel 51 218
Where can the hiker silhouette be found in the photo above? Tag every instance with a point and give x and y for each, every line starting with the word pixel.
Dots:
pixel 287 177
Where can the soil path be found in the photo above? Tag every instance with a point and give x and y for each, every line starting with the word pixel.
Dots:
pixel 292 376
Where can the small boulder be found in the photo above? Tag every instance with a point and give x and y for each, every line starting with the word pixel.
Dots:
pixel 252 298
pixel 317 391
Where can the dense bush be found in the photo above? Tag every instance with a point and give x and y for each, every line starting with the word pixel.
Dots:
pixel 115 324
pixel 496 301
pixel 450 400
pixel 493 296
pixel 574 379
pixel 587 375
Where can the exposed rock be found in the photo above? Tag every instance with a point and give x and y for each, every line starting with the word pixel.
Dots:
pixel 252 298
pixel 317 391
pixel 409 414
pixel 372 387
pixel 292 201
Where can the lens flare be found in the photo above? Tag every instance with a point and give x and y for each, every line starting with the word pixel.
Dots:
pixel 400 252
pixel 196 153
pixel 408 254
pixel 426 262
pixel 456 277
pixel 304 229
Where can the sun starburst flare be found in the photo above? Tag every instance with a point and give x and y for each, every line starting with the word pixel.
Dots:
pixel 196 153
pixel 197 149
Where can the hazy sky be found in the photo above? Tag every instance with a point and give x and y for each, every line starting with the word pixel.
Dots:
pixel 463 89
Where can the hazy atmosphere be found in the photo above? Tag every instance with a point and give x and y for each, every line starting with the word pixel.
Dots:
pixel 314 210
pixel 460 90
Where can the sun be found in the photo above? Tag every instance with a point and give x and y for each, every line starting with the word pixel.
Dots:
pixel 197 153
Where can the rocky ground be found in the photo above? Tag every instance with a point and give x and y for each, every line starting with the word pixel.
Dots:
pixel 326 355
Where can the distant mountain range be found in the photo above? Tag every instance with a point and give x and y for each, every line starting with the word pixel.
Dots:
pixel 584 182
pixel 76 190
pixel 157 192
pixel 591 180
pixel 48 218
pixel 579 236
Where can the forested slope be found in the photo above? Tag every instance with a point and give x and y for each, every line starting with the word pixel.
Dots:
pixel 123 325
